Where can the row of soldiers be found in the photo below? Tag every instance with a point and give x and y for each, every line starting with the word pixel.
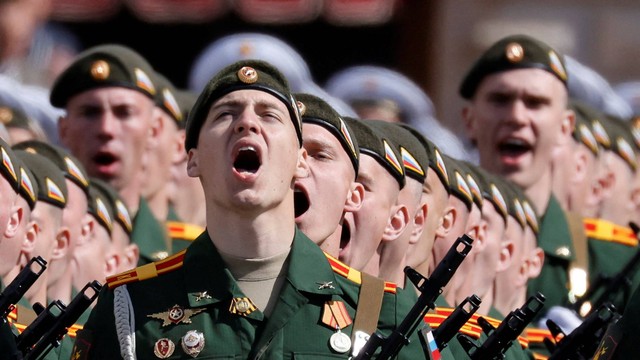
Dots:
pixel 280 169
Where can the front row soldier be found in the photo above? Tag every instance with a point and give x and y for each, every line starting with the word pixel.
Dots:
pixel 251 285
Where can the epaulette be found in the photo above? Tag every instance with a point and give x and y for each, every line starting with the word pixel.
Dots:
pixel 12 318
pixel 537 356
pixel 536 336
pixel 147 271
pixel 184 231
pixel 604 230
pixel 354 275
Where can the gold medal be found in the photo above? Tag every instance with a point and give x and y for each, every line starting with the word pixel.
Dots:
pixel 192 343
pixel 164 348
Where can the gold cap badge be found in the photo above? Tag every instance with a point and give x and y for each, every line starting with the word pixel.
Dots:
pixel 514 52
pixel 5 115
pixel 100 70
pixel 301 107
pixel 248 75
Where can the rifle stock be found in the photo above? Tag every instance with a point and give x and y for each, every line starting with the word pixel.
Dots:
pixel 429 289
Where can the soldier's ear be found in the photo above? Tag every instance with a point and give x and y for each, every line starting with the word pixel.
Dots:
pixel 111 264
pixel 192 163
pixel 179 153
pixel 355 197
pixel 567 126
pixel 16 216
pixel 448 221
pixel 469 123
pixel 61 245
pixel 131 256
pixel 397 222
pixel 419 222
pixel 537 259
pixel 302 167
pixel 506 255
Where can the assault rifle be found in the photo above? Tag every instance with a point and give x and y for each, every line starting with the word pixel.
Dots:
pixel 608 286
pixel 53 322
pixel 19 286
pixel 582 342
pixel 499 339
pixel 452 324
pixel 429 289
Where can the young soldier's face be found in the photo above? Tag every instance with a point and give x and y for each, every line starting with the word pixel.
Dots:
pixel 108 130
pixel 516 118
pixel 366 226
pixel 321 197
pixel 248 154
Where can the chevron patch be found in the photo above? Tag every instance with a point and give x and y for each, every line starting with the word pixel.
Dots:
pixel 347 136
pixel 54 192
pixel 391 157
pixel 410 163
pixel 144 82
pixel 74 170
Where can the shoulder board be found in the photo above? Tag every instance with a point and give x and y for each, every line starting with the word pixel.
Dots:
pixel 354 275
pixel 604 230
pixel 537 356
pixel 184 231
pixel 434 319
pixel 147 271
pixel 536 335
pixel 624 235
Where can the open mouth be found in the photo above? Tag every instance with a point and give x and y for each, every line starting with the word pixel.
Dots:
pixel 300 201
pixel 104 159
pixel 513 147
pixel 247 160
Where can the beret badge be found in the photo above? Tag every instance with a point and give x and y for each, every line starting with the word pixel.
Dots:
pixel 248 75
pixel 100 70
pixel 514 52
pixel 301 107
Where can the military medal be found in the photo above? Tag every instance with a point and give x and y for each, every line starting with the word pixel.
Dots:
pixel 176 315
pixel 340 342
pixel 164 348
pixel 192 343
pixel 242 306
pixel 335 315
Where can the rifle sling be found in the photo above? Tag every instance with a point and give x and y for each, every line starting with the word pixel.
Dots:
pixel 581 262
pixel 369 305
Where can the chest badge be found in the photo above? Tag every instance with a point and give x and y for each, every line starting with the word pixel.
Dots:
pixel 176 315
pixel 192 343
pixel 164 348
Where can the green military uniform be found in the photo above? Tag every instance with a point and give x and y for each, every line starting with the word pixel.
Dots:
pixel 622 339
pixel 611 246
pixel 200 284
pixel 149 235
pixel 555 239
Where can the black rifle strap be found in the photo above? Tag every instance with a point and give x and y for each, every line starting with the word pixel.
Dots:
pixel 369 305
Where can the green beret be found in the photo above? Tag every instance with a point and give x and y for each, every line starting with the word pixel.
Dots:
pixel 372 143
pixel 511 53
pixel 104 66
pixel 317 111
pixel 186 99
pixel 434 154
pixel 100 206
pixel 167 100
pixel 120 211
pixel 458 185
pixel 473 182
pixel 414 156
pixel 52 188
pixel 67 163
pixel 490 188
pixel 622 142
pixel 12 117
pixel 9 166
pixel 28 186
pixel 583 130
pixel 242 75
